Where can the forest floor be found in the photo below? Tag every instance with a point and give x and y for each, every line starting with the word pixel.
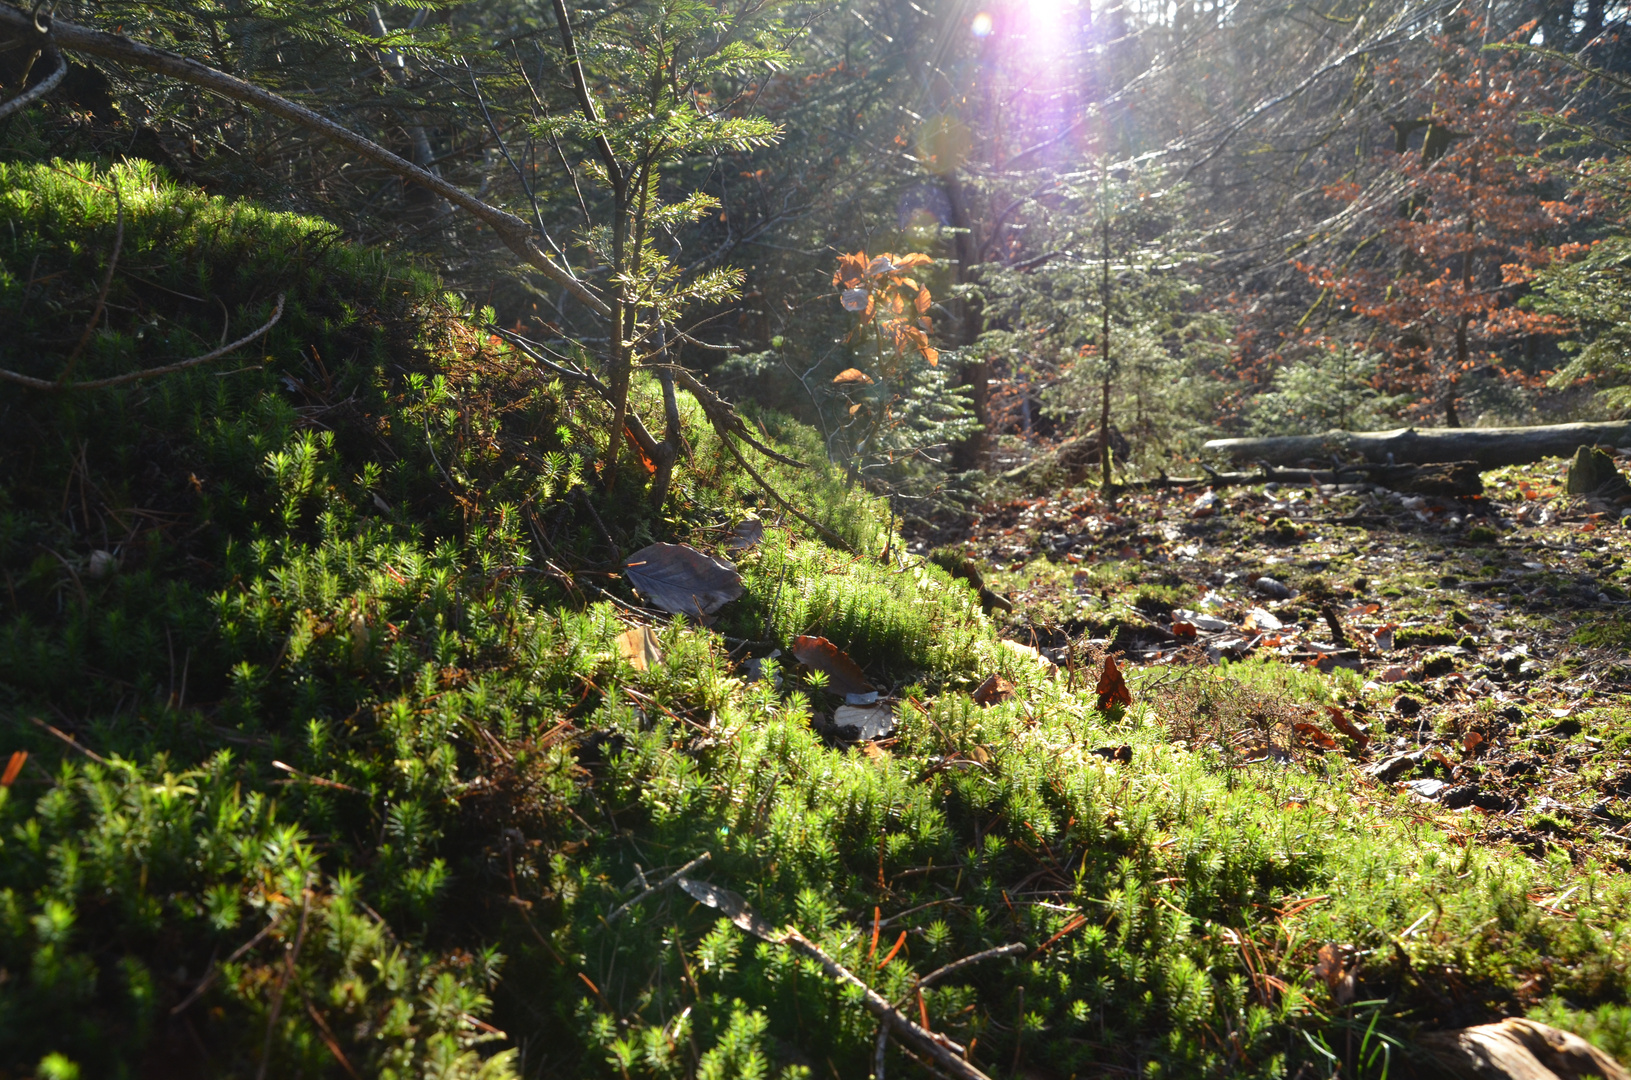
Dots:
pixel 1479 646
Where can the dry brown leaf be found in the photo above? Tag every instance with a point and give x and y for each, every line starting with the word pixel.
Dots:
pixel 844 676
pixel 1472 742
pixel 1340 721
pixel 681 579
pixel 13 767
pixel 852 375
pixel 1314 734
pixel 993 691
pixel 1112 688
pixel 639 647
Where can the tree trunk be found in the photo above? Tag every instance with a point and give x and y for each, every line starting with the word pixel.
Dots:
pixel 976 373
pixel 1489 447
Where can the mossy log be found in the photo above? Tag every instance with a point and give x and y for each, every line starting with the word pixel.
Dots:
pixel 1489 447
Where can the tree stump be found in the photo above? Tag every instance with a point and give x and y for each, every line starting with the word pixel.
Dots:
pixel 1593 472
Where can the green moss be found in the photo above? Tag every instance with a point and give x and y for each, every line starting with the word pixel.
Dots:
pixel 1424 636
pixel 1605 633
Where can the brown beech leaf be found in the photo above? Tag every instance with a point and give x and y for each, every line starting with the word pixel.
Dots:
pixel 13 767
pixel 681 579
pixel 852 375
pixel 994 691
pixel 844 676
pixel 746 534
pixel 1472 742
pixel 1112 688
pixel 1340 721
pixel 1183 629
pixel 639 647
pixel 1315 735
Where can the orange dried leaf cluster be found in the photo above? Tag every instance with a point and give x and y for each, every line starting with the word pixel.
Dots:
pixel 883 293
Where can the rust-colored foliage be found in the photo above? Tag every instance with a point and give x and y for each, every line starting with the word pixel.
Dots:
pixel 889 300
pixel 1112 688
pixel 1460 221
pixel 844 676
pixel 13 767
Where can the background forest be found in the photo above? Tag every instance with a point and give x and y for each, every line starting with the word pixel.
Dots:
pixel 348 739
pixel 1285 218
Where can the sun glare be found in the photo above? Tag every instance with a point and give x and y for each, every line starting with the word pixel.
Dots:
pixel 981 25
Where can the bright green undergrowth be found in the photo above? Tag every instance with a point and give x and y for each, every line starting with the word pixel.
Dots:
pixel 373 771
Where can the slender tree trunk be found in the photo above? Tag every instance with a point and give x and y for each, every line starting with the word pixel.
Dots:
pixel 668 451
pixel 976 372
pixel 1104 355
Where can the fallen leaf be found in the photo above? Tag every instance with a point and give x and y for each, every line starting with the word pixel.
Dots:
pixel 1029 653
pixel 1472 742
pixel 1259 619
pixel 639 647
pixel 1340 721
pixel 993 691
pixel 1183 629
pixel 852 375
pixel 1395 673
pixel 746 534
pixel 733 906
pixel 1112 688
pixel 1335 973
pixel 1314 734
pixel 844 676
pixel 13 767
pixel 681 579
pixel 870 722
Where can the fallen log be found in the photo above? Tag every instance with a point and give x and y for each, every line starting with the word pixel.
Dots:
pixel 1448 479
pixel 1490 448
pixel 1518 1049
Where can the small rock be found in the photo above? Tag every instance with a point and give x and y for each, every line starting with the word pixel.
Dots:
pixel 1274 590
pixel 1489 800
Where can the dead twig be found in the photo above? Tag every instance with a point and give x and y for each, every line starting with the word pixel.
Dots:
pixel 320 781
pixel 209 976
pixel 145 373
pixel 69 739
pixel 40 89
pixel 661 885
pixel 1013 949
pixel 939 1049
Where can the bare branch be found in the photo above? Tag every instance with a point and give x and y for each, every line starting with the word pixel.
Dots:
pixel 146 373
pixel 44 87
pixel 513 231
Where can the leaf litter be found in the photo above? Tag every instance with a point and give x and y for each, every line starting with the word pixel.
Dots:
pixel 1450 630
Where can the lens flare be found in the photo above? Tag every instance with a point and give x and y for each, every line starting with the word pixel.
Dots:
pixel 981 25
